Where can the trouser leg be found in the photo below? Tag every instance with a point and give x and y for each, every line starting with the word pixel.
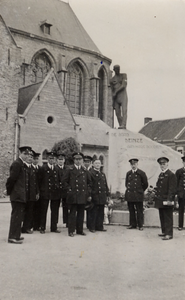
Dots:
pixel 54 206
pixel 80 218
pixel 36 215
pixel 72 218
pixel 28 216
pixel 168 220
pixel 92 217
pixel 43 215
pixel 139 208
pixel 88 219
pixel 161 217
pixel 100 217
pixel 181 212
pixel 132 214
pixel 17 216
pixel 65 211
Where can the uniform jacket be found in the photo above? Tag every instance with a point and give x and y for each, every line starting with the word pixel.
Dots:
pixel 180 174
pixel 63 189
pixel 136 183
pixel 166 188
pixel 78 183
pixel 34 183
pixel 100 190
pixel 17 184
pixel 49 183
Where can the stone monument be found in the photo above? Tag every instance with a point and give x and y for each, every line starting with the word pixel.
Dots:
pixel 118 85
pixel 124 145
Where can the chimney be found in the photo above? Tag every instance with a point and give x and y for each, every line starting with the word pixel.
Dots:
pixel 146 120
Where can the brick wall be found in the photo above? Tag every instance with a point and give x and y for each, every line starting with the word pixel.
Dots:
pixel 9 83
pixel 35 129
pixel 16 54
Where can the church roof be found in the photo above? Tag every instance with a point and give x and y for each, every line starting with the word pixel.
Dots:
pixel 29 16
pixel 26 94
pixel 165 129
pixel 29 94
pixel 92 131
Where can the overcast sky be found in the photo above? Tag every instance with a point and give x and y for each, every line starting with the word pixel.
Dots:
pixel 147 39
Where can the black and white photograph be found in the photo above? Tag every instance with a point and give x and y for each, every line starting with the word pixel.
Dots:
pixel 92 149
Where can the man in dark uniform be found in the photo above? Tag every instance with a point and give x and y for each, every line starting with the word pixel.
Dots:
pixel 180 174
pixel 37 204
pixel 78 181
pixel 17 187
pixel 33 195
pixel 49 192
pixel 100 192
pixel 136 183
pixel 88 165
pixel 88 162
pixel 164 198
pixel 62 169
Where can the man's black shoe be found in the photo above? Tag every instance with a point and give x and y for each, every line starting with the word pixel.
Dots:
pixel 161 234
pixel 167 237
pixel 14 241
pixel 131 227
pixel 42 231
pixel 56 231
pixel 20 239
pixel 81 233
pixel 71 234
pixel 27 231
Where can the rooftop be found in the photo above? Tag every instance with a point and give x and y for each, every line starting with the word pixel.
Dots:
pixel 92 131
pixel 169 129
pixel 28 16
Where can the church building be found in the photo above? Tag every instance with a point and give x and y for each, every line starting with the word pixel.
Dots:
pixel 54 82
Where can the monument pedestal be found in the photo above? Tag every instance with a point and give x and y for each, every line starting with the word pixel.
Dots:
pixel 151 218
pixel 124 145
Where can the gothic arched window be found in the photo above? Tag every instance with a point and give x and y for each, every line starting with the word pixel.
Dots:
pixel 41 65
pixel 44 154
pixel 74 88
pixel 101 158
pixel 94 157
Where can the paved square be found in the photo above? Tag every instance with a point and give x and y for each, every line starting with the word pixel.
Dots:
pixel 119 264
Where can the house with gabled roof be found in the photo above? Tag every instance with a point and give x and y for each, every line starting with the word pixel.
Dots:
pixel 54 82
pixel 170 132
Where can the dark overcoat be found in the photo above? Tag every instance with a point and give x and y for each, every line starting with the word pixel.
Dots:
pixel 100 190
pixel 34 183
pixel 180 174
pixel 17 184
pixel 63 189
pixel 49 183
pixel 136 183
pixel 78 183
pixel 165 188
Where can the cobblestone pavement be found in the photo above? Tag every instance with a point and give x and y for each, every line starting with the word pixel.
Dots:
pixel 119 264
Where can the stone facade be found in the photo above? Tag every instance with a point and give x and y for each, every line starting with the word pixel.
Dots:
pixel 78 84
pixel 9 82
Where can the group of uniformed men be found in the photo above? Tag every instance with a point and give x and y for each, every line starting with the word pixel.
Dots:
pixel 32 188
pixel 168 185
pixel 84 185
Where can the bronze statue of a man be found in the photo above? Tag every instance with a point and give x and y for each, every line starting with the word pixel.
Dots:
pixel 118 85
